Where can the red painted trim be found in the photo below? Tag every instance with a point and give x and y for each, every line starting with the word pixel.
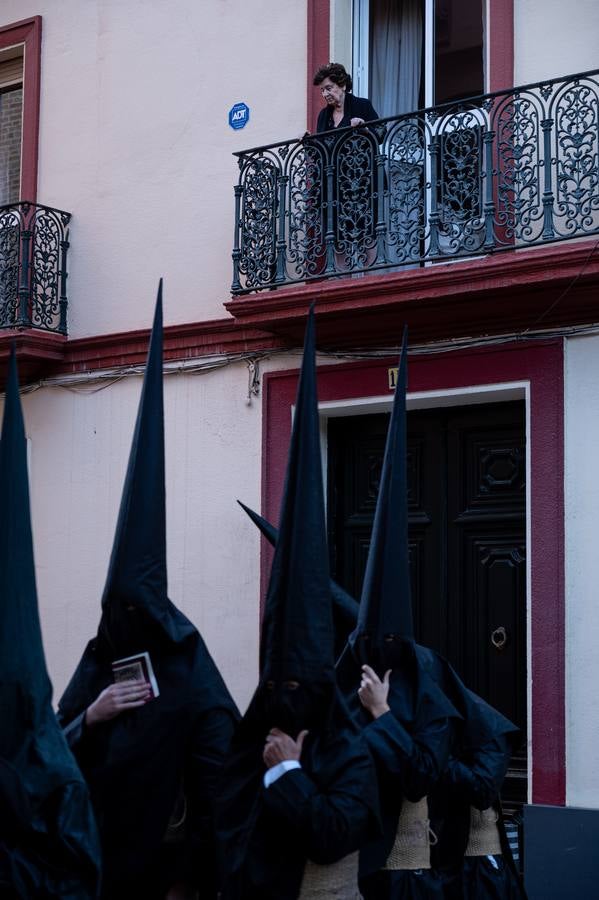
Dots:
pixel 541 364
pixel 40 353
pixel 498 294
pixel 500 27
pixel 37 351
pixel 319 28
pixel 29 33
pixel 186 341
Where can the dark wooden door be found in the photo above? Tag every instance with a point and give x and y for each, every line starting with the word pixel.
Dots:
pixel 467 518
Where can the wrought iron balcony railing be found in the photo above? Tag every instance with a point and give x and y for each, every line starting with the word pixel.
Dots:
pixel 501 171
pixel 34 241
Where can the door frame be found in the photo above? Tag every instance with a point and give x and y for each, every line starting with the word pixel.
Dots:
pixel 531 371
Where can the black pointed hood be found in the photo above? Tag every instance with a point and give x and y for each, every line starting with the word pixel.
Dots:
pixel 297 689
pixel 345 608
pixel 22 661
pixel 385 606
pixel 137 573
pixel 45 808
pixel 297 633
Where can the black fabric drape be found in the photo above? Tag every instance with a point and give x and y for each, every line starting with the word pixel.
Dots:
pixel 49 846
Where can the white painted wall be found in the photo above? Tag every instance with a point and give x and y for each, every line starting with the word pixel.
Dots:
pixel 582 570
pixel 552 38
pixel 135 140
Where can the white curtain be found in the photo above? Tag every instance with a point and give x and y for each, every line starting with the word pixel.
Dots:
pixel 396 28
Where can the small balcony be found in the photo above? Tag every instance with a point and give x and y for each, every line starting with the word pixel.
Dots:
pixel 507 171
pixel 34 242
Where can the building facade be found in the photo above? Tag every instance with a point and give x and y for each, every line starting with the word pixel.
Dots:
pixel 471 216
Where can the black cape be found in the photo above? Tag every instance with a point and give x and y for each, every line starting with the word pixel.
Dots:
pixel 482 744
pixel 154 764
pixel 49 847
pixel 323 811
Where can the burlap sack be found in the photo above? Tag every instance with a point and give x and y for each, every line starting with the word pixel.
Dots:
pixel 412 847
pixel 338 881
pixel 484 833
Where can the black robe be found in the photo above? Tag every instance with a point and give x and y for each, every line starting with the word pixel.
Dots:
pixel 49 849
pixel 141 764
pixel 321 813
pixel 480 754
pixel 49 846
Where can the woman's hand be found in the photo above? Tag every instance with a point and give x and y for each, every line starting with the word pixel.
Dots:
pixel 279 747
pixel 116 699
pixel 356 121
pixel 373 692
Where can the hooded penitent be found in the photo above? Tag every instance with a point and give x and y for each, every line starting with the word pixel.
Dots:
pixel 49 846
pixel 141 764
pixel 482 745
pixel 482 742
pixel 323 811
pixel 345 608
pixel 410 743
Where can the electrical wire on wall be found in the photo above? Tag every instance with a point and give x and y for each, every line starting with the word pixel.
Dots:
pixel 92 382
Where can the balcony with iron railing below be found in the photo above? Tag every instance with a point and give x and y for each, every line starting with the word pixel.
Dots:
pixel 506 171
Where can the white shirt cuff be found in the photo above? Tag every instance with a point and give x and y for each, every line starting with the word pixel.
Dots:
pixel 271 775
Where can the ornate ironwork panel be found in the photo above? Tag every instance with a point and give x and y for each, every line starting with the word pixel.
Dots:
pixel 34 242
pixel 259 221
pixel 500 171
pixel 306 211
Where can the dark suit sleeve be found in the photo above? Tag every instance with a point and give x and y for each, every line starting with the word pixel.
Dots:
pixel 479 780
pixel 415 761
pixel 328 822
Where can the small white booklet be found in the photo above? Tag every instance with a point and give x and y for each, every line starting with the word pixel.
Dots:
pixel 136 668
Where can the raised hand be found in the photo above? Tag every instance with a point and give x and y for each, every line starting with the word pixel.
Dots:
pixel 373 692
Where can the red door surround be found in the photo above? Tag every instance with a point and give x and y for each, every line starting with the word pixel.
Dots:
pixel 539 363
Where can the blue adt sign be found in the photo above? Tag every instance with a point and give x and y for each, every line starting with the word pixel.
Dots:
pixel 239 115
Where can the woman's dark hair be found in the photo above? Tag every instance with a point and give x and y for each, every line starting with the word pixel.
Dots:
pixel 337 73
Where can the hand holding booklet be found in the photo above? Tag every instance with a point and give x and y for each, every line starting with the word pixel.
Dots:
pixel 136 668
